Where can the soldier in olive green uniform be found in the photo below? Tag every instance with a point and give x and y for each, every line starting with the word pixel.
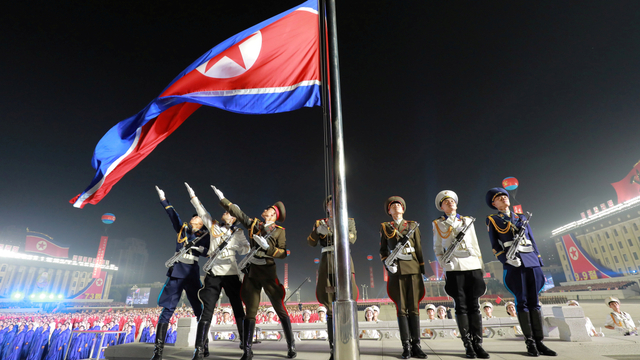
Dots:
pixel 325 289
pixel 262 271
pixel 405 286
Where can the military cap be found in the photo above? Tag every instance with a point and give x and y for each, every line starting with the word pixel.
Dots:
pixel 430 307
pixel 306 311
pixel 227 310
pixel 322 308
pixel 487 304
pixel 281 212
pixel 491 195
pixel 326 202
pixel 271 309
pixel 573 302
pixel 394 199
pixel 368 309
pixel 443 195
pixel 509 303
pixel 375 308
pixel 611 299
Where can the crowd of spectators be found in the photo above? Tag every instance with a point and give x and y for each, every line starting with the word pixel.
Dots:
pixel 614 285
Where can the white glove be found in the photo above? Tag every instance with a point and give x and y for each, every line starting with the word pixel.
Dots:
pixel 160 193
pixel 393 268
pixel 261 241
pixel 190 191
pixel 515 262
pixel 218 192
pixel 323 229
pixel 448 266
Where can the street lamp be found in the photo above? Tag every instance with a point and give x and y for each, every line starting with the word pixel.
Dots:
pixel 364 291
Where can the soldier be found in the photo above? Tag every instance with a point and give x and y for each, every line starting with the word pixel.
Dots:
pixel 405 286
pixel 223 275
pixel 523 275
pixel 271 239
pixel 463 273
pixel 487 307
pixel 325 288
pixel 183 275
pixel 618 319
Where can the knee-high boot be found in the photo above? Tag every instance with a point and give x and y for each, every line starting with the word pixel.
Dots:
pixel 538 333
pixel 403 326
pixel 288 335
pixel 205 339
pixel 240 326
pixel 161 333
pixel 475 330
pixel 330 334
pixel 198 354
pixel 248 327
pixel 414 330
pixel 525 325
pixel 465 335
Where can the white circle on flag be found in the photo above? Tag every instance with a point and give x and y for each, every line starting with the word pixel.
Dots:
pixel 226 68
pixel 99 282
pixel 573 252
pixel 41 245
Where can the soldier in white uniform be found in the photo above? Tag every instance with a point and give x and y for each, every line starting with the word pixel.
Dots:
pixel 431 315
pixel 223 275
pixel 307 334
pixel 463 272
pixel 226 320
pixel 270 335
pixel 487 307
pixel 376 312
pixel 322 318
pixel 591 330
pixel 510 306
pixel 369 334
pixel 618 319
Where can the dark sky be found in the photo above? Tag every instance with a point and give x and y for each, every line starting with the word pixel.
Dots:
pixel 449 95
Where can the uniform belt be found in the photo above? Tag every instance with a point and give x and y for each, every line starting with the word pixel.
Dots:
pixel 405 257
pixel 506 244
pixel 258 261
pixel 525 249
pixel 327 248
pixel 190 257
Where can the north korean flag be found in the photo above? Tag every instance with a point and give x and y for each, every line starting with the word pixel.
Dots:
pixel 269 68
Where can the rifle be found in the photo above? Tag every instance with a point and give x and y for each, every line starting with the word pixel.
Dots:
pixel 391 261
pixel 521 236
pixel 246 262
pixel 456 242
pixel 174 259
pixel 209 264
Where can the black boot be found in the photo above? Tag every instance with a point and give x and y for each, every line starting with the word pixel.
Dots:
pixel 240 326
pixel 525 325
pixel 330 334
pixel 403 326
pixel 538 333
pixel 248 327
pixel 288 335
pixel 161 333
pixel 475 329
pixel 414 330
pixel 205 339
pixel 198 354
pixel 465 335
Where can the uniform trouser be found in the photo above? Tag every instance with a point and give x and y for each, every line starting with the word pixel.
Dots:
pixel 171 293
pixel 465 287
pixel 525 285
pixel 210 294
pixel 406 291
pixel 327 298
pixel 263 277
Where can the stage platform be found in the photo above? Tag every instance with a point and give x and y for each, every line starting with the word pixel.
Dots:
pixel 606 348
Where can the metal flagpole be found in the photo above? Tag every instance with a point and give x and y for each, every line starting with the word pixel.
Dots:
pixel 345 312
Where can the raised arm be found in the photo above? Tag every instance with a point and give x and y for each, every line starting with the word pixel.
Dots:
pixel 233 209
pixel 207 220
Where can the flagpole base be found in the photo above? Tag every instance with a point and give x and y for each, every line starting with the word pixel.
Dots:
pixel 345 320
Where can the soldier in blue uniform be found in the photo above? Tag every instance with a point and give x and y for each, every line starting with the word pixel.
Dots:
pixel 183 275
pixel 523 276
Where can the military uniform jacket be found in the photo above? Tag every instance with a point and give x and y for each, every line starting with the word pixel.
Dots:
pixel 225 263
pixel 185 267
pixel 621 321
pixel 390 234
pixel 502 230
pixel 277 241
pixel 326 241
pixel 468 255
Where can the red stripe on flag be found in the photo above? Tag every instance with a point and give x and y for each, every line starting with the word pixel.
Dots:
pixel 152 134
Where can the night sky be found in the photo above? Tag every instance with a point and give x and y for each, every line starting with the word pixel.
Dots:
pixel 436 95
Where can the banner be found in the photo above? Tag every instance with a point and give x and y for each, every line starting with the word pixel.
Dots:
pixel 629 187
pixel 371 276
pixel 286 276
pixel 386 275
pixel 101 249
pixel 94 290
pixel 43 244
pixel 581 264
